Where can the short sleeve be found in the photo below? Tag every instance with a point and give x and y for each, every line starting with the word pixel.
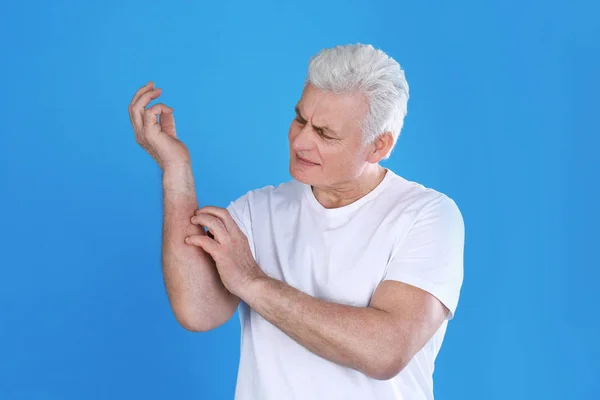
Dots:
pixel 240 212
pixel 430 256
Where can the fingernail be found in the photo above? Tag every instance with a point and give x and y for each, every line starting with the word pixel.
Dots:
pixel 187 239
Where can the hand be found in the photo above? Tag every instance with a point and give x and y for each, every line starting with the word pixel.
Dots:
pixel 157 138
pixel 228 246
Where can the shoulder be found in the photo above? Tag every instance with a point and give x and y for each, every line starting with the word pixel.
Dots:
pixel 266 194
pixel 422 201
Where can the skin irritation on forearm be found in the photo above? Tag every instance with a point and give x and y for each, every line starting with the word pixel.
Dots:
pixel 362 338
pixel 191 278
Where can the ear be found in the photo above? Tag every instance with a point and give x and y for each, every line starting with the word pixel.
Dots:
pixel 380 147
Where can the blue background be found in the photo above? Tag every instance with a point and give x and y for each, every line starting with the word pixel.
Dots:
pixel 502 117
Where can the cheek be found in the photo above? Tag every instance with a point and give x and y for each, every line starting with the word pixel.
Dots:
pixel 292 132
pixel 332 156
pixel 341 157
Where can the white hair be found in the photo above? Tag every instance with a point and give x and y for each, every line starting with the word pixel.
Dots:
pixel 362 68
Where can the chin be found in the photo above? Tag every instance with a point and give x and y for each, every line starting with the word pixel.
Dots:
pixel 300 175
pixel 294 173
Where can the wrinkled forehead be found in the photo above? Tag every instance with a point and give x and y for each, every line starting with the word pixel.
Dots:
pixel 338 111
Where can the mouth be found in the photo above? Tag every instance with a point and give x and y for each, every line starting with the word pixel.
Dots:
pixel 305 161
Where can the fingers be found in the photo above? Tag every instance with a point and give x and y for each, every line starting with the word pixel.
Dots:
pixel 221 213
pixel 160 108
pixel 214 225
pixel 148 86
pixel 206 243
pixel 167 123
pixel 150 114
pixel 138 107
pixel 144 89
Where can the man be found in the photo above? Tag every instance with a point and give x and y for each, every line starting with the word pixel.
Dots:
pixel 345 276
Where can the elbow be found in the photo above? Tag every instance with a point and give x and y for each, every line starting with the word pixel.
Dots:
pixel 193 326
pixel 203 317
pixel 384 374
pixel 195 323
pixel 383 369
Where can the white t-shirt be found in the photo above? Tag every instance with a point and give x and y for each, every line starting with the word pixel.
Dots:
pixel 400 231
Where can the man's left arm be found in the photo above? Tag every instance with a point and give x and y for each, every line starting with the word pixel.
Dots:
pixel 419 291
pixel 378 340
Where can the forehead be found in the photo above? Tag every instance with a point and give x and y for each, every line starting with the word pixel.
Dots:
pixel 337 111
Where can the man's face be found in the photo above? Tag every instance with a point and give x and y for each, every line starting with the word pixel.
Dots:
pixel 327 132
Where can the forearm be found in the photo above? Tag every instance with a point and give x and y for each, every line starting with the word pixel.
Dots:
pixel 355 337
pixel 196 293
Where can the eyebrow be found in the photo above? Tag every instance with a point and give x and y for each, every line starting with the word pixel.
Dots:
pixel 319 128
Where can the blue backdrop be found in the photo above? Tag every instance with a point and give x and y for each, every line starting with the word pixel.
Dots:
pixel 502 117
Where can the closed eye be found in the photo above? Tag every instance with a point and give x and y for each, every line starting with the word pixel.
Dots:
pixel 302 121
pixel 323 135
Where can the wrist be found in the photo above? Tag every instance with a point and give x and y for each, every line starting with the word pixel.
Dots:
pixel 176 167
pixel 254 288
pixel 178 178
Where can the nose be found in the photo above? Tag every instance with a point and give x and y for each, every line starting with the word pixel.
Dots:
pixel 302 140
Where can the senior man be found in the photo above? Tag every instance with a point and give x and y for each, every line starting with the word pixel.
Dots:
pixel 346 276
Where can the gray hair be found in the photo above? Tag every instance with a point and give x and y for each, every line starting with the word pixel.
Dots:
pixel 362 68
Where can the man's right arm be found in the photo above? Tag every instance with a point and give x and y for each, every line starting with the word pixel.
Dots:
pixel 198 298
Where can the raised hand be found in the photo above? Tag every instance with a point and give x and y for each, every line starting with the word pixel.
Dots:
pixel 158 138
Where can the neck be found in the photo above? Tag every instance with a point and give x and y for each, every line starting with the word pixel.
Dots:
pixel 348 192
